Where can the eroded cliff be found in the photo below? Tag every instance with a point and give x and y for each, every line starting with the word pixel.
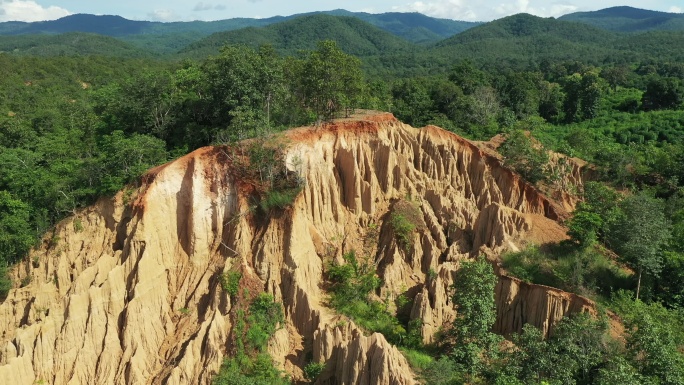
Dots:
pixel 128 291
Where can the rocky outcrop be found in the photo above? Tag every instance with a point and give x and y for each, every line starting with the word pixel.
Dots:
pixel 519 303
pixel 128 291
pixel 352 358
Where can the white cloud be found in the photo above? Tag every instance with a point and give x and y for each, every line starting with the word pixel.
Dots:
pixel 462 10
pixel 523 6
pixel 451 9
pixel 163 15
pixel 202 7
pixel 27 10
pixel 675 9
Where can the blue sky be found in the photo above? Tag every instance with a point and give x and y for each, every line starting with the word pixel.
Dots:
pixel 179 10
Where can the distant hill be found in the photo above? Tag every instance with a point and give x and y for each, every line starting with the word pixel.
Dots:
pixel 414 27
pixel 104 25
pixel 118 26
pixel 69 44
pixel 523 40
pixel 628 19
pixel 353 35
pixel 170 37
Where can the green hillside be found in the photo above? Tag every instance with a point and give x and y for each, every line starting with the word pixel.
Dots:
pixel 69 44
pixel 522 40
pixel 354 36
pixel 628 19
pixel 414 27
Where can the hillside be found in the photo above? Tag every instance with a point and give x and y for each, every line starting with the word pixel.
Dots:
pixel 133 289
pixel 523 39
pixel 629 19
pixel 69 44
pixel 354 36
pixel 413 26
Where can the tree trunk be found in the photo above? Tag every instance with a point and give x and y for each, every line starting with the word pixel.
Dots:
pixel 638 284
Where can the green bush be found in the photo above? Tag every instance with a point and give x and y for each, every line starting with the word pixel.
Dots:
pixel 352 284
pixel 403 229
pixel 5 282
pixel 244 370
pixel 264 317
pixel 313 370
pixel 278 199
pixel 251 365
pixel 230 282
pixel 525 157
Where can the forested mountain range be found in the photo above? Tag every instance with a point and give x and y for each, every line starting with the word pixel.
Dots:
pixel 356 36
pixel 629 19
pixel 522 39
pixel 166 37
pixel 414 39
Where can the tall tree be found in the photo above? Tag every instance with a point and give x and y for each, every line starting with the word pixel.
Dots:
pixel 476 313
pixel 329 80
pixel 639 234
pixel 583 96
pixel 663 93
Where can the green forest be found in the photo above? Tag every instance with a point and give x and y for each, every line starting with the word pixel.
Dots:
pixel 84 115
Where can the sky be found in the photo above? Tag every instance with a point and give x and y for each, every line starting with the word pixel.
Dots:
pixel 182 10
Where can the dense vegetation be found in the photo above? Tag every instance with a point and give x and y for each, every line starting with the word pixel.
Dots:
pixel 75 128
pixel 628 19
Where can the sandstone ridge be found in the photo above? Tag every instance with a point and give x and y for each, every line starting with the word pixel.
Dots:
pixel 128 290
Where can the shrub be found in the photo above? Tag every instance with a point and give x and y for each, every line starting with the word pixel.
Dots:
pixel 5 282
pixel 25 281
pixel 525 157
pixel 313 370
pixel 264 317
pixel 403 229
pixel 78 225
pixel 278 199
pixel 251 365
pixel 262 163
pixel 352 284
pixel 230 282
pixel 245 370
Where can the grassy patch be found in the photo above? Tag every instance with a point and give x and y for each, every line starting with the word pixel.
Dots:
pixel 418 359
pixel 587 271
